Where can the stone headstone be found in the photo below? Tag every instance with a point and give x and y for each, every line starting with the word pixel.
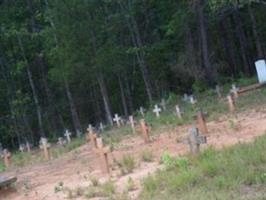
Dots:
pixel 157 111
pixel 261 70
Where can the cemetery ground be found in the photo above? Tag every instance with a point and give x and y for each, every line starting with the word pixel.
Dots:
pixel 232 165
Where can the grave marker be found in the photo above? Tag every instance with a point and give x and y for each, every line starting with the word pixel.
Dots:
pixel 132 123
pixel 117 120
pixel 61 141
pixel 142 111
pixel 21 148
pixel 68 136
pixel 185 97
pixel 195 140
pixel 157 111
pixel 234 90
pixel 6 155
pixel 145 129
pixel 261 70
pixel 192 100
pixel 201 122
pixel 45 146
pixel 92 137
pixel 103 154
pixel 231 103
pixel 28 147
pixel 101 127
pixel 178 112
pixel 218 91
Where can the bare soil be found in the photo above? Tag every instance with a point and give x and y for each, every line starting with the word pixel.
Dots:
pixel 74 168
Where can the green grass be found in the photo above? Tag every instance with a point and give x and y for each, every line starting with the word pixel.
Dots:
pixel 238 172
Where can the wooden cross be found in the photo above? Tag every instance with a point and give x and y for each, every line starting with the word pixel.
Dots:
pixel 231 103
pixel 142 111
pixel 178 112
pixel 132 123
pixel 157 111
pixel 195 140
pixel 117 120
pixel 218 91
pixel 192 100
pixel 103 154
pixel 6 155
pixel 234 90
pixel 68 136
pixel 92 136
pixel 44 145
pixel 145 129
pixel 163 104
pixel 201 122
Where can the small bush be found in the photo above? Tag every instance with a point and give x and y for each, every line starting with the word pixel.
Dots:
pixel 127 164
pixel 147 156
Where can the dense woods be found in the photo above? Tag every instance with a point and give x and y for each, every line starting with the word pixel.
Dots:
pixel 68 63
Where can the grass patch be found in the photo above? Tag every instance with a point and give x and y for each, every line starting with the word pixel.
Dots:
pixel 238 172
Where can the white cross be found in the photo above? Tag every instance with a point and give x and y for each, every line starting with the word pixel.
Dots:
pixel 67 135
pixel 193 101
pixel 234 90
pixel 101 127
pixel 218 91
pixel 185 98
pixel 21 147
pixel 141 110
pixel 28 146
pixel 90 128
pixel 117 120
pixel 132 123
pixel 157 110
pixel 178 111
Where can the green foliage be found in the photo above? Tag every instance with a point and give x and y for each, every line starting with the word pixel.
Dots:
pixel 147 156
pixel 225 173
pixel 128 164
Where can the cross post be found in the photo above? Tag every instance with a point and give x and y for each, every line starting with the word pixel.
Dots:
pixel 68 135
pixel 195 140
pixel 103 154
pixel 231 103
pixel 145 129
pixel 45 146
pixel 132 123
pixel 157 111
pixel 178 112
pixel 117 120
pixel 6 155
pixel 201 122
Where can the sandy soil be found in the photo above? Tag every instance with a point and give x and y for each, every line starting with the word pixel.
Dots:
pixel 73 169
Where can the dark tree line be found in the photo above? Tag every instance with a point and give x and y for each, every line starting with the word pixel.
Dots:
pixel 67 63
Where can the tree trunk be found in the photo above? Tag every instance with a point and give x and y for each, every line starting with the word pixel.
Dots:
pixel 73 110
pixel 255 33
pixel 137 42
pixel 123 97
pixel 242 40
pixel 105 97
pixel 33 89
pixel 129 95
pixel 228 48
pixel 210 71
